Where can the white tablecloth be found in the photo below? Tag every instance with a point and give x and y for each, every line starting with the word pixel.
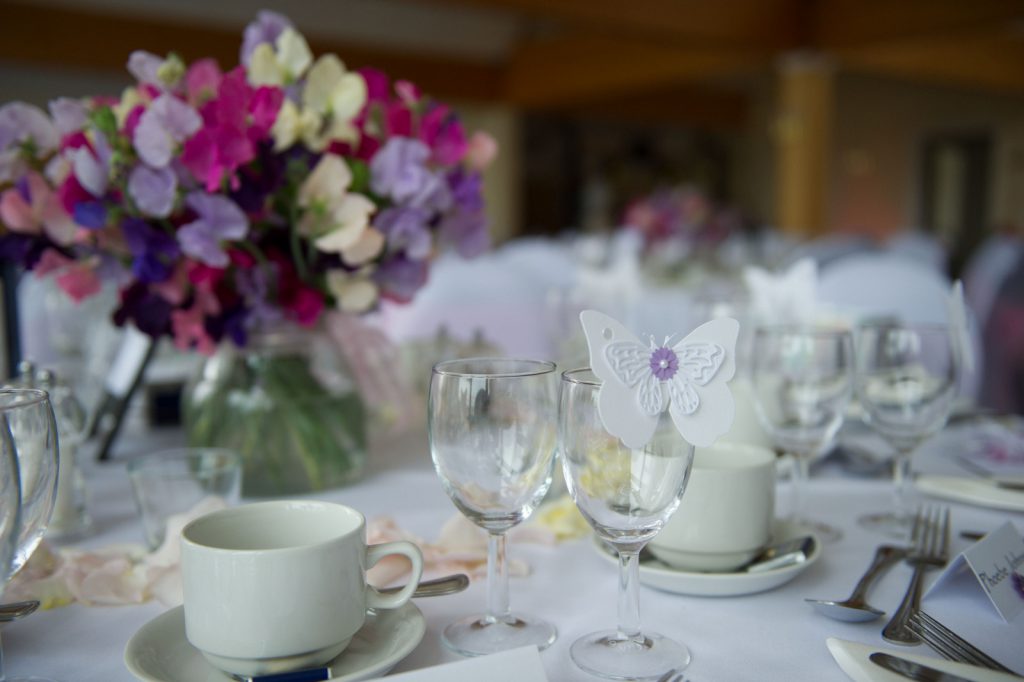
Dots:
pixel 768 636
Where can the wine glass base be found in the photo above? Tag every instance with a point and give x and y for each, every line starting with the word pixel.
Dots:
pixel 606 654
pixel 888 524
pixel 479 635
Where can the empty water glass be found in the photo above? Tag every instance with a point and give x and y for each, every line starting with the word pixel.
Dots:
pixel 177 481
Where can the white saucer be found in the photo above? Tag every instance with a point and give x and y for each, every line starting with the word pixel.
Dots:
pixel 159 652
pixel 971 490
pixel 663 577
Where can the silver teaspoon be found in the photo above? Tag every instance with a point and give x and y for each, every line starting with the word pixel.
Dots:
pixel 856 609
pixel 16 610
pixel 449 584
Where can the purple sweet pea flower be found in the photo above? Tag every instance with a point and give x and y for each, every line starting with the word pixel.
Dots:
pixel 254 285
pixel 466 231
pixel 22 123
pixel 154 251
pixel 664 363
pixel 400 278
pixel 150 312
pixel 90 214
pixel 467 189
pixel 69 115
pixel 219 219
pixel 166 122
pixel 406 228
pixel 267 27
pixel 399 171
pixel 92 166
pixel 153 190
pixel 145 66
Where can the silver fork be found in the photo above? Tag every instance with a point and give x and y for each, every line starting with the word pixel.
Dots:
pixel 930 549
pixel 950 645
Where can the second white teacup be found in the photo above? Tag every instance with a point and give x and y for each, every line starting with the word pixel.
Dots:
pixel 726 513
pixel 278 586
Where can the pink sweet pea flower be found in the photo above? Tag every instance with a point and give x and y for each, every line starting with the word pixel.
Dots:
pixel 482 150
pixel 33 208
pixel 190 330
pixel 202 81
pixel 79 282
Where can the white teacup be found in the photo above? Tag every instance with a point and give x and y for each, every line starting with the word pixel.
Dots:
pixel 277 586
pixel 726 513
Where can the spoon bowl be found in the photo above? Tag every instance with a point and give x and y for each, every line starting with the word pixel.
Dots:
pixel 851 612
pixel 17 610
pixel 856 609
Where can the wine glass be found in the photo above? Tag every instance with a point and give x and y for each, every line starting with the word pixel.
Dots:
pixel 493 440
pixel 28 435
pixel 626 495
pixel 802 381
pixel 10 509
pixel 906 383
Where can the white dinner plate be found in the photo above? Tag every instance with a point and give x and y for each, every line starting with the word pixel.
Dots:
pixel 159 651
pixel 972 491
pixel 727 584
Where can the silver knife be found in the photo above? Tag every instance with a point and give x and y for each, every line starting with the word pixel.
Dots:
pixel 912 670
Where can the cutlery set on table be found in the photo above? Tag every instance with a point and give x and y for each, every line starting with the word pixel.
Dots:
pixel 909 625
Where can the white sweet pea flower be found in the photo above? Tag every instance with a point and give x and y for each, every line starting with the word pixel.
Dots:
pixel 282 63
pixel 334 217
pixel 368 247
pixel 350 218
pixel 354 291
pixel 335 96
pixel 292 124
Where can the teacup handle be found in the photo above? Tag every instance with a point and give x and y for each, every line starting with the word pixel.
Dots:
pixel 374 553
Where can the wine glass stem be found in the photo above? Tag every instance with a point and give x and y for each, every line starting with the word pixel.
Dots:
pixel 629 596
pixel 901 482
pixel 801 474
pixel 3 675
pixel 497 579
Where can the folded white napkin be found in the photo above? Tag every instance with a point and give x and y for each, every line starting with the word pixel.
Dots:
pixel 852 657
pixel 517 665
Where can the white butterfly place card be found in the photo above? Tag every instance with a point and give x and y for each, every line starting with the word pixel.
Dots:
pixel 688 378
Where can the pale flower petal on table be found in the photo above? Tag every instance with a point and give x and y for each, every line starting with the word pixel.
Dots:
pixel 109 576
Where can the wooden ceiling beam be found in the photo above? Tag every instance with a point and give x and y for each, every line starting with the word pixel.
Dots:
pixel 565 71
pixel 750 24
pixel 846 24
pixel 65 37
pixel 702 107
pixel 991 63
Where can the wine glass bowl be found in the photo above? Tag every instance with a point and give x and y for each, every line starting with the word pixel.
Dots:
pixel 803 380
pixel 907 380
pixel 32 429
pixel 626 495
pixel 493 439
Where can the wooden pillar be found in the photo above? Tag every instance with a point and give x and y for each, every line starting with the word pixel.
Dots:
pixel 806 95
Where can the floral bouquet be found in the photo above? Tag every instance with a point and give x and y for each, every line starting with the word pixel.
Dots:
pixel 226 202
pixel 680 219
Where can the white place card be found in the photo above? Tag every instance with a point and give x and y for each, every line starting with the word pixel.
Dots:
pixel 517 665
pixel 996 564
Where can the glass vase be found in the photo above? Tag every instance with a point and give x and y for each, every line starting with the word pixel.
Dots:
pixel 288 404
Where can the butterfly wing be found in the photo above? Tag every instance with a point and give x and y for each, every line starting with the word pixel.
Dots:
pixel 630 399
pixel 701 403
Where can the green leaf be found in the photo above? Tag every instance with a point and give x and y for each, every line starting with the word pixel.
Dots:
pixel 104 120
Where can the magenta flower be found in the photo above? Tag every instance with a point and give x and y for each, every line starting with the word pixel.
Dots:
pixel 443 133
pixel 664 363
pixel 219 219
pixel 202 81
pixel 231 122
pixel 166 123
